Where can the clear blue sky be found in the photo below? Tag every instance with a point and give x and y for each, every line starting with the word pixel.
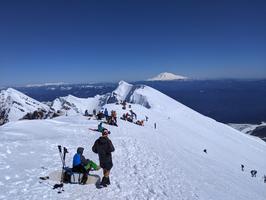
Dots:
pixel 94 40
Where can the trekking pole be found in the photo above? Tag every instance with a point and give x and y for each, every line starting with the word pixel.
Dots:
pixel 60 153
pixel 59 148
pixel 61 185
pixel 64 157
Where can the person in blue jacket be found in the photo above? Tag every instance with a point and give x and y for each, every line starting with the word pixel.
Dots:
pixel 106 113
pixel 83 165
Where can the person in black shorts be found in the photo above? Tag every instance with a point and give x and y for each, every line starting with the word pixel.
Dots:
pixel 103 147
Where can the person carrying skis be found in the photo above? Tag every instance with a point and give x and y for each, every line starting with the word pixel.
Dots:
pixel 103 147
pixel 83 165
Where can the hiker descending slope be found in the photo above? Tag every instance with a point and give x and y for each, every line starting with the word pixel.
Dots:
pixel 103 147
pixel 83 165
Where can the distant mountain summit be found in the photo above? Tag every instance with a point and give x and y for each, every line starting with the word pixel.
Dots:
pixel 166 76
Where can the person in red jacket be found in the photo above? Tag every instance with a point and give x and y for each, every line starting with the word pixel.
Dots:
pixel 103 147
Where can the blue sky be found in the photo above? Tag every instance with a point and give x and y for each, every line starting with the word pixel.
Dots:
pixel 95 40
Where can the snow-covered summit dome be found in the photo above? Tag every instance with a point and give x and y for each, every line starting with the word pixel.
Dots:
pixel 166 76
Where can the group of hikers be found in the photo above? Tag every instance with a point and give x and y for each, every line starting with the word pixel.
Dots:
pixel 130 118
pixel 253 172
pixel 131 115
pixel 103 147
pixel 110 119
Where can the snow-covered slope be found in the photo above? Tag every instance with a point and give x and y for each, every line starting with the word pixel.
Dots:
pixel 126 92
pixel 72 105
pixel 166 76
pixel 163 163
pixel 14 105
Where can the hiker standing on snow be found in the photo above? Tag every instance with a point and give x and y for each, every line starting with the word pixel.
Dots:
pixel 253 173
pixel 146 118
pixel 106 114
pixel 242 167
pixel 103 147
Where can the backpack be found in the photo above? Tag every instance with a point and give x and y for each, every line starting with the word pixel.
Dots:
pixel 67 175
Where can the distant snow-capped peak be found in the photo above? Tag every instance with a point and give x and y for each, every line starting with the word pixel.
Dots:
pixel 166 76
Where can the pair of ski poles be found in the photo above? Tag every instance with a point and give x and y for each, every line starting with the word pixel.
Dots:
pixel 62 154
pixel 63 160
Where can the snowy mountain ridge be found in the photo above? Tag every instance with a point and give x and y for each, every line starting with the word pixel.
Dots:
pixel 166 162
pixel 69 105
pixel 124 92
pixel 72 105
pixel 14 105
pixel 166 76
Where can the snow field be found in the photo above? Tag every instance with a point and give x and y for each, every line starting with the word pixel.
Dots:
pixel 163 163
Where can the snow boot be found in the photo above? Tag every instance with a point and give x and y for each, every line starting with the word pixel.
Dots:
pixel 104 182
pixel 108 180
pixel 84 179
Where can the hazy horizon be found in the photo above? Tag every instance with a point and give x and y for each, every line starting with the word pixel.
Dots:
pixel 40 84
